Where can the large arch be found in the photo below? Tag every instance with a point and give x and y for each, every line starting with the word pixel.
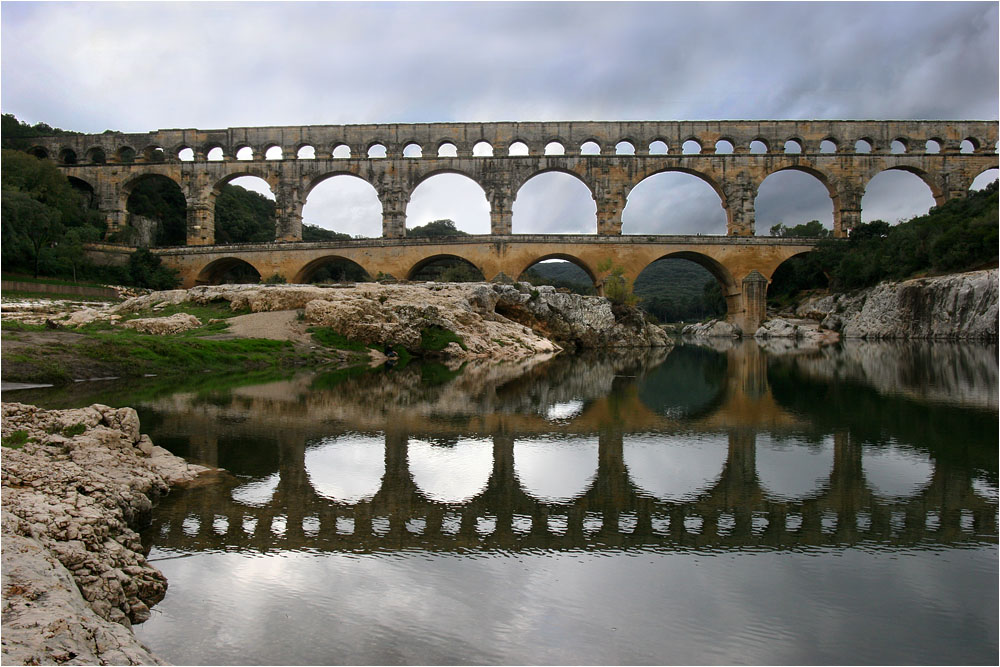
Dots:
pixel 589 271
pixel 449 195
pixel 445 260
pixel 312 271
pixel 731 290
pixel 227 270
pixel 676 289
pixel 898 194
pixel 242 219
pixel 660 199
pixel 345 203
pixel 583 274
pixel 158 198
pixel 565 205
pixel 793 196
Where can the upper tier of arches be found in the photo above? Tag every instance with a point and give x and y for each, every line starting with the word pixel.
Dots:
pixel 449 140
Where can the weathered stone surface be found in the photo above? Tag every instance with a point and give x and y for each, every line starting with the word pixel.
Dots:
pixel 163 326
pixel 957 306
pixel 801 328
pixel 71 496
pixel 712 329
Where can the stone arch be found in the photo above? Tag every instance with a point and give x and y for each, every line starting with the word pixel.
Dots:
pixel 174 220
pixel 555 147
pixel 655 144
pixel 759 146
pixel 412 149
pixel 376 150
pixel 892 185
pixel 39 152
pixel 416 268
pixel 96 155
pixel 85 188
pixel 542 172
pixel 482 148
pixel 518 142
pixel 361 193
pixel 731 288
pixel 67 156
pixel 307 272
pixel 125 155
pixel 154 154
pixel 448 146
pixel 216 271
pixel 479 221
pixel 586 149
pixel 645 183
pixel 240 148
pixel 689 145
pixel 207 151
pixel 625 146
pixel 305 151
pixel 576 261
pixel 819 175
pixel 984 178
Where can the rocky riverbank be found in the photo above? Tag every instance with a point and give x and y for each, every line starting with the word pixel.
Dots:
pixel 75 485
pixel 961 306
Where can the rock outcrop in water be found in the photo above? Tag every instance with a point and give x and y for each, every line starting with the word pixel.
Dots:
pixel 961 306
pixel 75 483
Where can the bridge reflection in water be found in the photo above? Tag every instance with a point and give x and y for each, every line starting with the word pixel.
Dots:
pixel 695 453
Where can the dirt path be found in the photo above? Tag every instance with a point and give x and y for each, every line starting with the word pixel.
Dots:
pixel 275 325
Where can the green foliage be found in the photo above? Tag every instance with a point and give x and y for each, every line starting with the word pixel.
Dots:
pixel 314 233
pixel 243 216
pixel 448 269
pixel 146 270
pixel 75 429
pixel 433 374
pixel 16 134
pixel 159 198
pixel 331 338
pixel 15 440
pixel 275 279
pixel 435 339
pixel 811 229
pixel 339 270
pixel 617 289
pixel 436 228
pixel 565 275
pixel 959 235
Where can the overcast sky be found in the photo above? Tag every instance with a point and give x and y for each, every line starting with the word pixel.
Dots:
pixel 141 66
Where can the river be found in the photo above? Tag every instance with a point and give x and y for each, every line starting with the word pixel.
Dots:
pixel 720 503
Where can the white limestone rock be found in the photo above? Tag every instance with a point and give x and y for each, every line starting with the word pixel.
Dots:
pixel 163 326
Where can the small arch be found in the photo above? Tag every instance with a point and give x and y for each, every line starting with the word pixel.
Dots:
pixel 932 147
pixel 67 156
pixel 556 470
pixel 724 147
pixel 624 147
pixel 154 154
pixel 96 156
pixel 228 270
pixel 346 469
pixel 185 154
pixel 413 150
pixel 455 471
pixel 445 268
pixel 376 151
pixel 658 147
pixel 125 155
pixel 759 147
pixel 590 148
pixel 863 146
pixel 518 149
pixel 331 269
pixel 969 145
pixel 39 152
pixel 273 152
pixel 244 153
pixel 898 147
pixel 306 152
pixel 447 149
pixel 793 146
pixel 555 148
pixel 215 154
pixel 341 151
pixel 673 468
pixel 828 146
pixel 482 149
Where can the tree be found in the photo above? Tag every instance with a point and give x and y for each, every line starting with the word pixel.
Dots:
pixel 35 223
pixel 146 270
pixel 436 228
pixel 617 289
pixel 811 229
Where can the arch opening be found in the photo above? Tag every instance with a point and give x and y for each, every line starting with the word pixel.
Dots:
pixel 244 153
pixel 96 156
pixel 67 156
pixel 793 202
pixel 758 147
pixel 658 147
pixel 674 202
pixel 125 155
pixel 332 269
pixel 453 470
pixel 561 272
pixel 624 148
pixel 985 179
pixel 447 149
pixel 347 469
pixel 795 274
pixel 228 271
pixel 590 148
pixel 482 149
pixel 932 147
pixel 306 152
pixel 724 147
pixel 554 202
pixel 555 148
pixel 793 146
pixel 376 151
pixel 677 288
pixel 556 470
pixel 341 151
pixel 675 469
pixel 828 146
pixel 157 212
pixel 186 154
pixel 244 211
pixel 518 149
pixel 448 196
pixel 341 206
pixel 413 150
pixel 446 269
pixel 215 154
pixel 895 195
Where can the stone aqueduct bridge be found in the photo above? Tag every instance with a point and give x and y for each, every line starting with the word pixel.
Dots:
pixel 842 155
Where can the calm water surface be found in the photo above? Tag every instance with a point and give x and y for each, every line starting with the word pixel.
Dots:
pixel 730 504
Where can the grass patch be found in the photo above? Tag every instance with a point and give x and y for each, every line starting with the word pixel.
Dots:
pixel 435 339
pixel 20 294
pixel 327 337
pixel 48 281
pixel 75 429
pixel 15 440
